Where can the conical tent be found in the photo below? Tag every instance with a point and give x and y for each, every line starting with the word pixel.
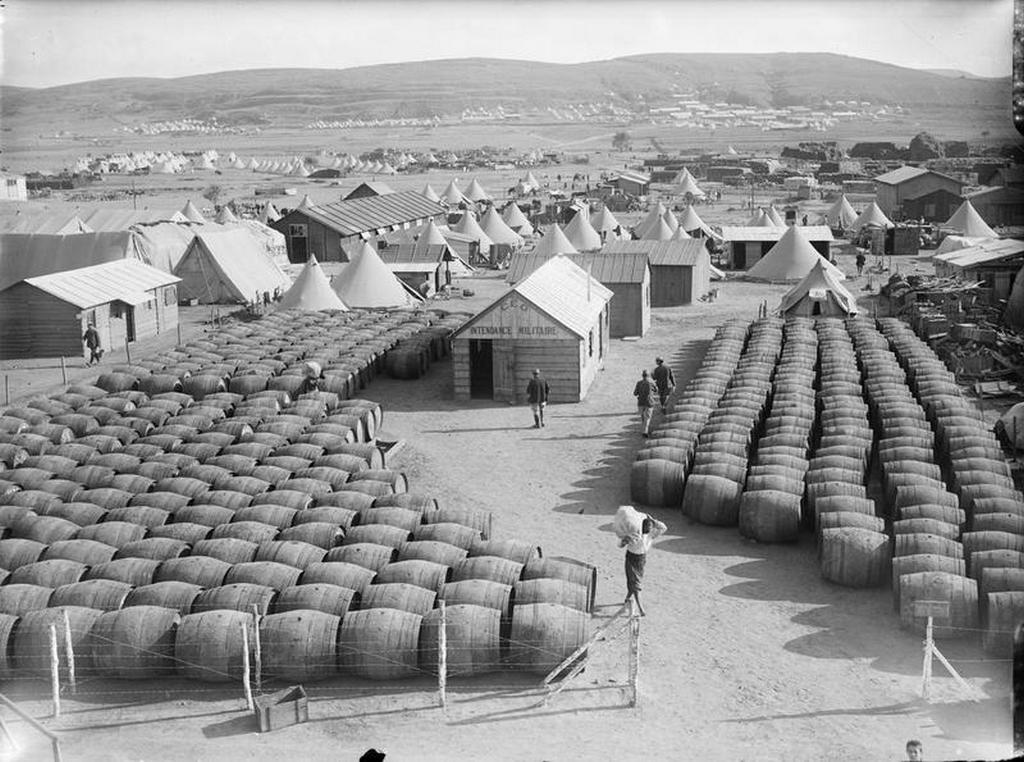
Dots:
pixel 790 259
pixel 269 214
pixel 453 196
pixel 671 220
pixel 581 233
pixel 841 214
pixel 367 282
pixel 430 193
pixel 686 184
pixel 497 230
pixel 431 235
pixel 651 220
pixel 468 226
pixel 554 242
pixel 475 192
pixel 773 214
pixel 603 221
pixel 660 231
pixel 760 220
pixel 306 203
pixel 225 216
pixel 820 293
pixel 690 221
pixel 731 151
pixel 311 291
pixel 190 211
pixel 872 216
pixel 966 220
pixel 532 181
pixel 680 235
pixel 299 171
pixel 516 219
pixel 253 164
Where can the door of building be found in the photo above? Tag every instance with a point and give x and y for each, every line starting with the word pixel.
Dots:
pixel 504 371
pixel 298 244
pixel 481 361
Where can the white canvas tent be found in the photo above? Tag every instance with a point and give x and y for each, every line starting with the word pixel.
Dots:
pixel 555 242
pixel 872 216
pixel 369 283
pixel 497 230
pixel 820 293
pixel 227 267
pixel 453 196
pixel 192 213
pixel 581 233
pixel 476 192
pixel 516 219
pixel 790 259
pixel 430 193
pixel 690 221
pixel 659 231
pixel 225 216
pixel 841 214
pixel 603 221
pixel 966 221
pixel 311 291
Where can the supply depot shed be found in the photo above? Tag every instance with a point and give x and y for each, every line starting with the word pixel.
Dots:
pixel 556 319
pixel 46 315
pixel 680 270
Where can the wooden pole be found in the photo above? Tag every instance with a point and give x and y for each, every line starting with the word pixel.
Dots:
pixel 257 647
pixel 246 686
pixel 926 669
pixel 54 670
pixel 7 390
pixel 442 657
pixel 179 332
pixel 63 371
pixel 55 742
pixel 634 655
pixel 127 350
pixel 69 653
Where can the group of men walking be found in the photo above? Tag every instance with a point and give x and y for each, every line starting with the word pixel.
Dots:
pixel 654 385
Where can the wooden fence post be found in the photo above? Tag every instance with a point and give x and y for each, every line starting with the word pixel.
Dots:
pixel 69 653
pixel 442 657
pixel 246 686
pixel 257 647
pixel 54 670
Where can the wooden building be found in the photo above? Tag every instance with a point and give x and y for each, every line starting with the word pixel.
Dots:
pixel 892 189
pixel 747 245
pixel 626 274
pixel 327 230
pixel 680 270
pixel 933 206
pixel 1001 206
pixel 556 319
pixel 414 263
pixel 994 262
pixel 633 183
pixel 12 188
pixel 46 315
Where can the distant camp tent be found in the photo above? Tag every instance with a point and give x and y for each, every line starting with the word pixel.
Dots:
pixel 820 293
pixel 691 222
pixel 532 181
pixel 429 236
pixel 671 220
pixel 202 162
pixel 555 242
pixel 468 226
pixel 48 223
pixel 311 291
pixel 581 233
pixel 604 222
pixel 475 192
pixel 685 184
pixel 841 215
pixel 680 235
pixel 760 220
pixel 430 193
pixel 651 220
pixel 498 230
pixel 306 203
pixel 106 219
pixel 227 267
pixel 369 283
pixel 299 170
pixel 659 231
pixel 269 214
pixel 192 213
pixel 453 196
pixel 516 219
pixel 872 216
pixel 967 221
pixel 790 259
pixel 731 151
pixel 225 216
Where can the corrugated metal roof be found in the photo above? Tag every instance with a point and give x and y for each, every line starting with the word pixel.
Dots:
pixel 902 174
pixel 983 253
pixel 660 253
pixel 126 280
pixel 757 233
pixel 606 267
pixel 367 215
pixel 636 177
pixel 410 253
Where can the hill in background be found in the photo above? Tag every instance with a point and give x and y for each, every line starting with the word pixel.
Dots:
pixel 447 87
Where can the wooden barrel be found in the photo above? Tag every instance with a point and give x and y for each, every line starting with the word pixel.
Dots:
pixel 854 557
pixel 203 571
pixel 240 596
pixel 167 501
pixel 378 534
pixel 19 599
pixel 448 532
pixel 353 501
pixel 921 562
pixel 250 531
pixel 365 554
pixel 380 644
pixel 544 634
pixel 370 453
pixel 514 550
pixel 473 638
pixel 279 516
pixel 48 573
pixel 845 503
pixel 102 594
pixel 479 592
pixel 321 535
pixel 552 590
pixel 426 574
pixel 135 643
pixel 182 532
pixel 156 548
pixel 990 540
pixel 300 645
pixel 205 514
pixel 290 552
pixel 944 513
pixel 402 596
pixel 144 515
pixel 44 529
pixel 911 544
pixel 979 560
pixel 229 549
pixel 1003 612
pixel 770 515
pixel 926 526
pixel 712 500
pixel 269 573
pixel 474 518
pixel 15 553
pixel 132 571
pixel 442 553
pixel 491 568
pixel 999 580
pixel 562 568
pixel 31 657
pixel 88 552
pixel 1007 504
pixel 341 573
pixel 998 522
pixel 961 592
pixel 403 518
pixel 342 518
pixel 289 498
pixel 208 645
pixel 321 596
pixel 342 462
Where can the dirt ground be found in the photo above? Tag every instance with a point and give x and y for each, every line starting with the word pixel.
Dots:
pixel 746 652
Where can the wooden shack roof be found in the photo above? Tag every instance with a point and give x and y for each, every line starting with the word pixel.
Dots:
pixel 368 215
pixel 760 233
pixel 903 174
pixel 124 280
pixel 606 267
pixel 662 253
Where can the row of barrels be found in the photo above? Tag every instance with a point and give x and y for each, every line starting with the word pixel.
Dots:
pixel 662 464
pixel 715 484
pixel 850 536
pixel 147 642
pixel 989 522
pixel 770 507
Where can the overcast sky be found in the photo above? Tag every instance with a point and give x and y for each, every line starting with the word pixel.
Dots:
pixel 50 42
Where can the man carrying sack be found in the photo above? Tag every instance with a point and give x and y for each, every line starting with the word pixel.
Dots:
pixel 636 532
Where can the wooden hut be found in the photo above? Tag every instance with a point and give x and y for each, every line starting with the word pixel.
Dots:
pixel 46 315
pixel 556 319
pixel 680 269
pixel 893 189
pixel 748 244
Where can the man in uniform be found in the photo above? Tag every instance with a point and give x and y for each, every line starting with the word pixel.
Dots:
pixel 537 395
pixel 664 379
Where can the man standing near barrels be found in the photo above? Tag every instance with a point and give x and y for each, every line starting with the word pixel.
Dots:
pixel 645 392
pixel 664 379
pixel 537 395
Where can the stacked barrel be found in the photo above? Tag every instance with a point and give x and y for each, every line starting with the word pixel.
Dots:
pixel 990 513
pixel 770 508
pixel 715 484
pixel 662 464
pixel 854 549
pixel 160 522
pixel 928 558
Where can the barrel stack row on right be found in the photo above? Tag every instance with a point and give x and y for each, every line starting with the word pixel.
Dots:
pixel 857 431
